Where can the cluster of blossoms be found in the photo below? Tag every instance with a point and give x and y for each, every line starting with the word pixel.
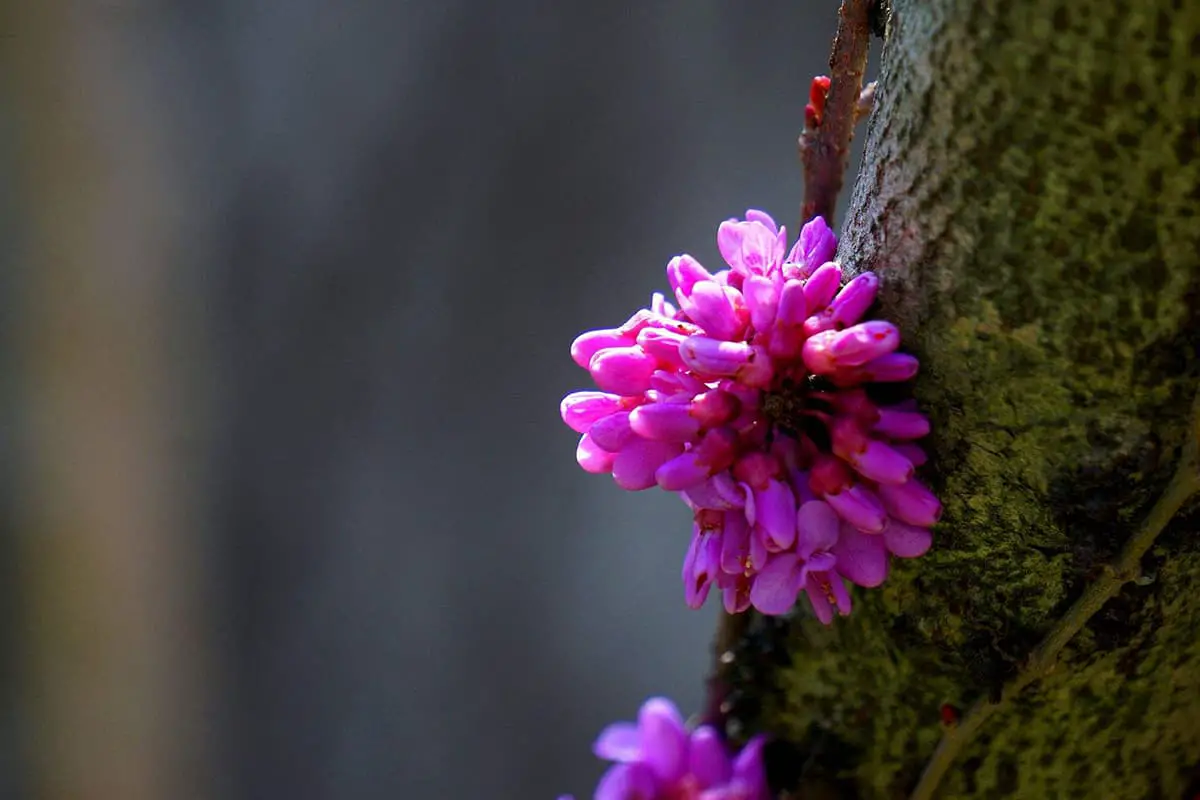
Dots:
pixel 658 759
pixel 747 398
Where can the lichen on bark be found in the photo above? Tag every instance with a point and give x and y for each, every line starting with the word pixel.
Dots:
pixel 1029 197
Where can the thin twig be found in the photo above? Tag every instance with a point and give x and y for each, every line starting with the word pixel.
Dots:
pixel 1184 484
pixel 825 147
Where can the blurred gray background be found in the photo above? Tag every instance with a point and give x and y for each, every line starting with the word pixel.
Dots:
pixel 289 510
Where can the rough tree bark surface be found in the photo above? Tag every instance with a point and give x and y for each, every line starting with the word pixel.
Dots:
pixel 1029 195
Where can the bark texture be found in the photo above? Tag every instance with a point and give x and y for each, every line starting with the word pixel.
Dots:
pixel 1029 195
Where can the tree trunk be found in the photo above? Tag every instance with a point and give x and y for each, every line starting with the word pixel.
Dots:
pixel 1029 196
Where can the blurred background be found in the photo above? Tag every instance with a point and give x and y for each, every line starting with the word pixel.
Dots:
pixel 287 508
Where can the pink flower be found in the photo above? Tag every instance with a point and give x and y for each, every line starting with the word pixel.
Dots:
pixel 658 758
pixel 748 398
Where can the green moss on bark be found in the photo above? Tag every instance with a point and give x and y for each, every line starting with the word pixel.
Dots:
pixel 1030 197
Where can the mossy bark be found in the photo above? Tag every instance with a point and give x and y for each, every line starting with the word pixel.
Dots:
pixel 1029 196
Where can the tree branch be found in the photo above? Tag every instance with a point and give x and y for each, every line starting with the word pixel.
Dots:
pixel 825 146
pixel 1184 484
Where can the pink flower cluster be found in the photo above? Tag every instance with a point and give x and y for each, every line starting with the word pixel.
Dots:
pixel 747 398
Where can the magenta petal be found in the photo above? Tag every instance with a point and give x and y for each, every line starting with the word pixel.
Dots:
pixel 848 307
pixel 775 511
pixel 715 357
pixel 828 351
pixel 758 548
pixel 901 425
pixel 709 307
pixel 907 541
pixel 714 407
pixel 821 286
pixel 613 433
pixel 793 304
pixel 580 410
pixel 735 544
pixel 758 371
pixel 855 298
pixel 761 217
pixel 749 769
pixel 592 457
pixel 820 602
pixel 623 370
pixel 841 596
pixel 735 598
pixel 664 739
pixel 700 565
pixel 729 242
pixel 775 588
pixel 892 368
pixel 911 502
pixel 817 527
pixel 750 508
pixel 860 507
pixel 820 562
pixel 618 742
pixel 881 463
pixel 708 762
pixel 815 246
pixel 634 467
pixel 762 298
pixel 719 492
pixel 749 248
pixel 684 471
pixel 683 273
pixel 663 345
pixel 634 781
pixel 660 306
pixel 861 557
pixel 588 344
pixel 667 422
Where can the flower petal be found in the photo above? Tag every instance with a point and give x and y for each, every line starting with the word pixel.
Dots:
pixel 815 246
pixel 683 273
pixel 911 502
pixel 761 217
pixel 592 457
pixel 818 598
pixel 664 739
pixel 881 463
pixel 861 557
pixel 613 432
pixel 634 781
pixel 901 425
pixel 859 506
pixel 708 761
pixel 634 467
pixel 619 742
pixel 775 588
pixel 580 410
pixel 749 768
pixel 623 370
pixel 775 511
pixel 821 286
pixel 762 299
pixel 907 541
pixel 817 527
pixel 735 543
pixel 666 422
pixel 589 343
